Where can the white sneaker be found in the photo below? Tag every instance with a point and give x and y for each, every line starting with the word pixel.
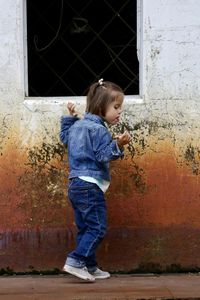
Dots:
pixel 79 272
pixel 99 274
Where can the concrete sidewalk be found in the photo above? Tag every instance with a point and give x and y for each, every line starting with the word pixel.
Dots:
pixel 118 287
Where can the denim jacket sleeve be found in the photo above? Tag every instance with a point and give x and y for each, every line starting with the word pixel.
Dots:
pixel 66 123
pixel 105 149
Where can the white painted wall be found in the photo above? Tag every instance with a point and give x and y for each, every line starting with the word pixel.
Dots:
pixel 11 52
pixel 171 47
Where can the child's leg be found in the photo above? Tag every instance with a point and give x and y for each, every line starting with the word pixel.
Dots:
pixel 91 262
pixel 90 216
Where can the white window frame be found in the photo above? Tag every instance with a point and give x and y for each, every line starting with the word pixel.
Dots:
pixel 128 98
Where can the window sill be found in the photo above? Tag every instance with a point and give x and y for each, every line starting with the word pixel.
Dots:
pixel 56 103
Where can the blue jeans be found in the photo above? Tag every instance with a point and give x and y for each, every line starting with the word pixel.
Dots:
pixel 90 214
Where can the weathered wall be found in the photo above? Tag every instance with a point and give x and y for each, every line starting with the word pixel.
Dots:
pixel 153 202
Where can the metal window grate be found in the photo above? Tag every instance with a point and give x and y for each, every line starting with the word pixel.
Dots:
pixel 72 43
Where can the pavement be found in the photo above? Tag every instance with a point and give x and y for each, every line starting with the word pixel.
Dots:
pixel 118 287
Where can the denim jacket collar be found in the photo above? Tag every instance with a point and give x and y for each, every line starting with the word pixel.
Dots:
pixel 94 118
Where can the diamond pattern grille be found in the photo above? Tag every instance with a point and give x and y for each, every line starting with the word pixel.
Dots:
pixel 72 43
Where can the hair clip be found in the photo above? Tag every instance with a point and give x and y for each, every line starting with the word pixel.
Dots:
pixel 100 82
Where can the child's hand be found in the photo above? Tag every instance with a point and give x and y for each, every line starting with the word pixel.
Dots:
pixel 72 109
pixel 123 139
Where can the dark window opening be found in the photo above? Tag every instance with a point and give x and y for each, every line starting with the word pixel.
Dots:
pixel 72 43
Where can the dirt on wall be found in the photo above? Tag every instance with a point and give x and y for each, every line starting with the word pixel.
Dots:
pixel 153 204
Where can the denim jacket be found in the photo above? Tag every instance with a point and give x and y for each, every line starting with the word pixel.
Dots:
pixel 90 146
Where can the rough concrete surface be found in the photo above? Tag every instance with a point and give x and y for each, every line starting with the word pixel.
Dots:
pixel 118 287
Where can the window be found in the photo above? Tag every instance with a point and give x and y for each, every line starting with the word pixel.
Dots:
pixel 72 43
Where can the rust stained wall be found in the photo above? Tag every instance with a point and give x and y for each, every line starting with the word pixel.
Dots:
pixel 153 204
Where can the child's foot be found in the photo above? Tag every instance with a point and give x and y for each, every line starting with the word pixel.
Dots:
pixel 99 274
pixel 79 272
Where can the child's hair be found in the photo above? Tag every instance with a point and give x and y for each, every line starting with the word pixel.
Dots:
pixel 100 95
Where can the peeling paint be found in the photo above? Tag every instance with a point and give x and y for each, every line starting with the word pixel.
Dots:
pixel 41 186
pixel 192 157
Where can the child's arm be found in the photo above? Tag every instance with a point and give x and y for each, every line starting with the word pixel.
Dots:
pixel 67 122
pixel 105 148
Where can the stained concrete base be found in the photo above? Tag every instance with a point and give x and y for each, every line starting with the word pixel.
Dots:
pixel 120 287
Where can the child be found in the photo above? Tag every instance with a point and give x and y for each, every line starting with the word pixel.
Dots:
pixel 90 149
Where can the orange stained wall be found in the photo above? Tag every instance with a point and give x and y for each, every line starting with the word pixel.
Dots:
pixel 153 205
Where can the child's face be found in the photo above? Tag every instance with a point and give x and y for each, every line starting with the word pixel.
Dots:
pixel 114 111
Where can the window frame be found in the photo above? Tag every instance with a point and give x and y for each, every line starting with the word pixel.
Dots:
pixel 130 98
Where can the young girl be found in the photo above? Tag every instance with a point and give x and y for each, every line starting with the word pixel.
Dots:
pixel 90 149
